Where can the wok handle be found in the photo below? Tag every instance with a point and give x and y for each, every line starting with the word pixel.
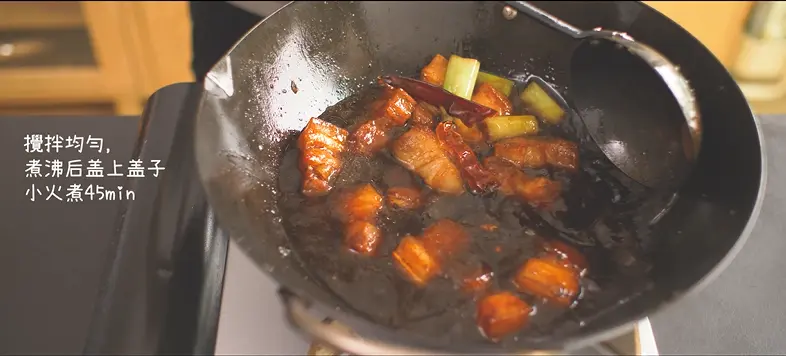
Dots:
pixel 333 339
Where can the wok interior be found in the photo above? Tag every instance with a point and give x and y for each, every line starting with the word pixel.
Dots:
pixel 331 50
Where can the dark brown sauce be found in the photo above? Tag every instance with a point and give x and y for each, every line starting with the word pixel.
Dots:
pixel 600 211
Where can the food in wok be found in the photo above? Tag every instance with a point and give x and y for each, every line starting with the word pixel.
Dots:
pixel 458 192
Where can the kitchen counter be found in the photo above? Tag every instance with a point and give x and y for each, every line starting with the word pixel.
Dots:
pixel 53 253
pixel 108 275
pixel 741 312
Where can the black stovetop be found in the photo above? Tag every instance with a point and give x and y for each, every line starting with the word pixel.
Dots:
pixel 138 277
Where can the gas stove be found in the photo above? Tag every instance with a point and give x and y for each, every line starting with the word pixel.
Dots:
pixel 252 319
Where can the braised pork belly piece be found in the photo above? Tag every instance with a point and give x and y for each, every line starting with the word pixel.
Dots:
pixel 537 152
pixel 321 145
pixel 501 314
pixel 393 109
pixel 358 208
pixel 422 258
pixel 419 151
pixel 512 181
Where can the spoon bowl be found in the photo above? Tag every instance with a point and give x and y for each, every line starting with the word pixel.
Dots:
pixel 657 149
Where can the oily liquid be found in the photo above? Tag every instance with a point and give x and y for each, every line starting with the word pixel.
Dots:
pixel 599 212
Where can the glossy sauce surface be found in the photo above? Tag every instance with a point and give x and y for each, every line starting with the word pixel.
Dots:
pixel 600 211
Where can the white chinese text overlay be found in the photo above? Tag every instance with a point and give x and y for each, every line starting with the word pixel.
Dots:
pixel 81 177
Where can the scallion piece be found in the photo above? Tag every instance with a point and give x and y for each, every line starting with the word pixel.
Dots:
pixel 461 75
pixel 501 127
pixel 505 86
pixel 535 98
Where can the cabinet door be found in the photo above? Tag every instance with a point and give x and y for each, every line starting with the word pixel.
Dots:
pixel 65 52
pixel 161 43
pixel 111 32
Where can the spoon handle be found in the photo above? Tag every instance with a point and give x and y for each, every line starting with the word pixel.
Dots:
pixel 545 18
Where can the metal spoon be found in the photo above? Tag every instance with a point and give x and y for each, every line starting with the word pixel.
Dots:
pixel 635 103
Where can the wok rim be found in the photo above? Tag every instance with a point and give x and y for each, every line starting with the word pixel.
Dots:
pixel 570 343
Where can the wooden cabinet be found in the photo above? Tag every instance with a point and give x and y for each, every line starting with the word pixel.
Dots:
pixel 162 43
pixel 717 24
pixel 91 53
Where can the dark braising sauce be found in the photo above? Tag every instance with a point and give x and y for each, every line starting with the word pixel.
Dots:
pixel 600 211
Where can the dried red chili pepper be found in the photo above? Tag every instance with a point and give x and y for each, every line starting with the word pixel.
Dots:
pixel 469 112
pixel 478 178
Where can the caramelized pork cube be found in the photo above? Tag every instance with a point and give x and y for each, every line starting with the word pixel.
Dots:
pixel 505 173
pixel 478 280
pixel 512 181
pixel 357 208
pixel 319 167
pixel 562 154
pixel 359 203
pixel 421 259
pixel 424 115
pixel 370 137
pixel 565 254
pixel 414 261
pixel 548 279
pixel 406 198
pixel 490 97
pixel 321 145
pixel 320 133
pixel 478 179
pixel 362 237
pixel 434 72
pixel 419 151
pixel 521 152
pixel 501 314
pixel 444 239
pixel 533 152
pixel 398 107
pixel 393 109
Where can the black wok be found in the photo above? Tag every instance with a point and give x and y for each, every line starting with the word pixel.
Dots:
pixel 330 50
